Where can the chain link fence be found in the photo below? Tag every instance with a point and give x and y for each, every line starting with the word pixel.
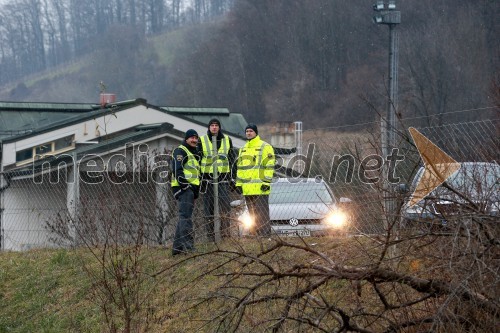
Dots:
pixel 48 210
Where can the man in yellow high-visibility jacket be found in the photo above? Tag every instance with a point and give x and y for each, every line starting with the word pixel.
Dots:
pixel 186 187
pixel 254 175
pixel 224 161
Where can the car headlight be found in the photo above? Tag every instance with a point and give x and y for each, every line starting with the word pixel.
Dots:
pixel 337 219
pixel 247 221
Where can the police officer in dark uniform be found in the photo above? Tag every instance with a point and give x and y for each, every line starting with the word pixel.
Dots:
pixel 186 188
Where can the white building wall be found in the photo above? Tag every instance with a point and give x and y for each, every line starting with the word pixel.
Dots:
pixel 30 203
pixel 28 207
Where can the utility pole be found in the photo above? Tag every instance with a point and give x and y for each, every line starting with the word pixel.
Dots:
pixel 389 16
pixel 392 18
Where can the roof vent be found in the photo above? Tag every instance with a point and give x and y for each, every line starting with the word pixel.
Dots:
pixel 106 99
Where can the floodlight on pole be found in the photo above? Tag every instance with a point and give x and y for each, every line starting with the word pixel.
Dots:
pixel 379 6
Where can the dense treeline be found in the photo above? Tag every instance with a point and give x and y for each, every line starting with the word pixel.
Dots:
pixel 40 34
pixel 320 61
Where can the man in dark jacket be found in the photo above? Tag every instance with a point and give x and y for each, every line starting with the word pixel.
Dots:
pixel 224 161
pixel 186 187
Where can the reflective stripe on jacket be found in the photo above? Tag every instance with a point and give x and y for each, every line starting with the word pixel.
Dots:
pixel 255 166
pixel 191 169
pixel 208 157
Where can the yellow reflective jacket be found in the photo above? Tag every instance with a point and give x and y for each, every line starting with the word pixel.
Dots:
pixel 191 169
pixel 255 167
pixel 208 157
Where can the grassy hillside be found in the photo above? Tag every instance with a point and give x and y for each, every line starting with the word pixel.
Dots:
pixel 62 290
pixel 55 291
pixel 78 80
pixel 248 285
pixel 45 291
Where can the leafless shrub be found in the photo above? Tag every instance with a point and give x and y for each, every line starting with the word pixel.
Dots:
pixel 114 237
pixel 436 282
pixel 406 277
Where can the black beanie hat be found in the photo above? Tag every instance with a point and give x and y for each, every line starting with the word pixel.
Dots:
pixel 190 133
pixel 214 121
pixel 252 126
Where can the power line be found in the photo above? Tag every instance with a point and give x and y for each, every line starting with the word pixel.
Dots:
pixel 452 112
pixel 409 118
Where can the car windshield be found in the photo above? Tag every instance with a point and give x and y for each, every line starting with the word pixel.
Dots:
pixel 282 193
pixel 477 180
pixel 472 179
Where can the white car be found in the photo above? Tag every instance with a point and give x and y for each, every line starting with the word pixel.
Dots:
pixel 298 207
pixel 473 191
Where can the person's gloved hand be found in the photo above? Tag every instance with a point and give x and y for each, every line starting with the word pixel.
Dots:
pixel 265 187
pixel 196 191
pixel 239 190
pixel 182 190
pixel 187 187
pixel 204 186
pixel 232 186
pixel 183 181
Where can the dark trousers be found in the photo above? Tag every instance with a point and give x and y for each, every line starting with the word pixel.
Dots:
pixel 184 232
pixel 258 207
pixel 224 210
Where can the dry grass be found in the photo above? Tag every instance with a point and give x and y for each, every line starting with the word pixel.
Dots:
pixel 49 290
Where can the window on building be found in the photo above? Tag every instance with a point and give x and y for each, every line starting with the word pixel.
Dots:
pixel 24 154
pixel 63 143
pixel 43 149
pixel 52 148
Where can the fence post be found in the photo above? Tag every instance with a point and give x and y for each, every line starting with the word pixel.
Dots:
pixel 73 198
pixel 215 182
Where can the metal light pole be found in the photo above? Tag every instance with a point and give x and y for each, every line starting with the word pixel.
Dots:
pixel 389 16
